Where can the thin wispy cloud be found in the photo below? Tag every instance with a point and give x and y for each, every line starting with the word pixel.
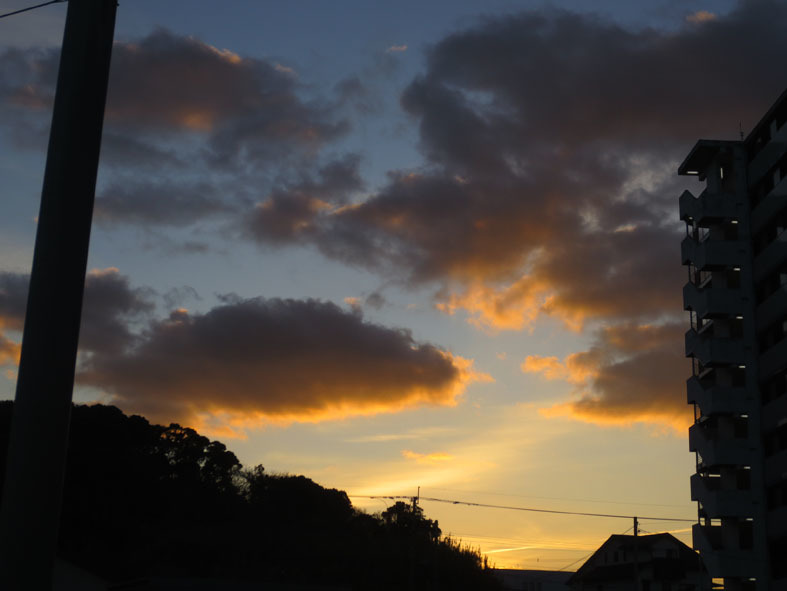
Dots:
pixel 427 458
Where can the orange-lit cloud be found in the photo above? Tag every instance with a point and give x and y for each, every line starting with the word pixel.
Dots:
pixel 110 303
pixel 247 362
pixel 633 374
pixel 550 199
pixel 512 307
pixel 178 107
pixel 160 80
pixel 9 351
pixel 430 458
pixel 251 362
pixel 531 200
pixel 701 16
pixel 576 368
pixel 396 49
pixel 13 301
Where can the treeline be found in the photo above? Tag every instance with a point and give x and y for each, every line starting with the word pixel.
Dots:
pixel 147 500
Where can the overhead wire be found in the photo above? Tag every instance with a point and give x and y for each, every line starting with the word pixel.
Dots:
pixel 591 554
pixel 530 509
pixel 578 560
pixel 12 13
pixel 483 492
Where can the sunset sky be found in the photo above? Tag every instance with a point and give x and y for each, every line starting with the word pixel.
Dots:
pixel 399 244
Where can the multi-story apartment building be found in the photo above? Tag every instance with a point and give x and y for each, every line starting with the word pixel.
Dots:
pixel 736 295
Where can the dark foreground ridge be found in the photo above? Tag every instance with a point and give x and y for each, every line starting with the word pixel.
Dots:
pixel 146 500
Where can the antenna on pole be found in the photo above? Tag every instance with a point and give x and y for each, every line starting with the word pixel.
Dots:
pixel 740 130
pixel 636 526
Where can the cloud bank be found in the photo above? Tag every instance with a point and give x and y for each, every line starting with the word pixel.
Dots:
pixel 633 373
pixel 547 188
pixel 249 362
pixel 550 141
pixel 246 362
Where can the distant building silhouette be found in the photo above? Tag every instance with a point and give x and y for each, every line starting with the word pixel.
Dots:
pixel 736 296
pixel 657 562
pixel 533 580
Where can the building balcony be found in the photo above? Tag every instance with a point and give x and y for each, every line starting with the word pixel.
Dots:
pixel 715 451
pixel 777 522
pixel 774 413
pixel 773 359
pixel 712 301
pixel 776 467
pixel 717 502
pixel 709 206
pixel 713 253
pixel 767 156
pixel 771 258
pixel 710 349
pixel 771 310
pixel 713 399
pixel 770 205
pixel 721 562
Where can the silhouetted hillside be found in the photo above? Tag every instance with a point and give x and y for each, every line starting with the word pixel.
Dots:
pixel 144 500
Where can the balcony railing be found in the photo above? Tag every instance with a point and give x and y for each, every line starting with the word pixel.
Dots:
pixel 723 562
pixel 709 348
pixel 716 451
pixel 713 253
pixel 714 399
pixel 719 502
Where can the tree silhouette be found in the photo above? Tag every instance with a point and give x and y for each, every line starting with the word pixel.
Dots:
pixel 409 520
pixel 143 500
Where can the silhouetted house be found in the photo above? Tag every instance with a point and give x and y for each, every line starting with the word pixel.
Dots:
pixel 736 253
pixel 657 562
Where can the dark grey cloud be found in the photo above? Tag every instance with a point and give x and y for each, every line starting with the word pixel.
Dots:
pixel 243 362
pixel 551 141
pixel 288 211
pixel 375 300
pixel 150 202
pixel 178 296
pixel 249 112
pixel 13 300
pixel 110 305
pixel 195 126
pixel 246 361
pixel 633 373
pixel 139 153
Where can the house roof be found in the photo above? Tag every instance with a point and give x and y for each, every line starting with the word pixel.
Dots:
pixel 686 558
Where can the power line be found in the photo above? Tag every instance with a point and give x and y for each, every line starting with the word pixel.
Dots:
pixel 31 8
pixel 591 554
pixel 578 560
pixel 484 492
pixel 531 509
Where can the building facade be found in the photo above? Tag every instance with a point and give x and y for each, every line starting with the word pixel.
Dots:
pixel 735 251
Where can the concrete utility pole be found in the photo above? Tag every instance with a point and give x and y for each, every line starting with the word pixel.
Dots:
pixel 32 494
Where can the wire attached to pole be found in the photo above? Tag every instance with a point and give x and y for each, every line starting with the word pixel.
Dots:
pixel 31 8
pixel 512 508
